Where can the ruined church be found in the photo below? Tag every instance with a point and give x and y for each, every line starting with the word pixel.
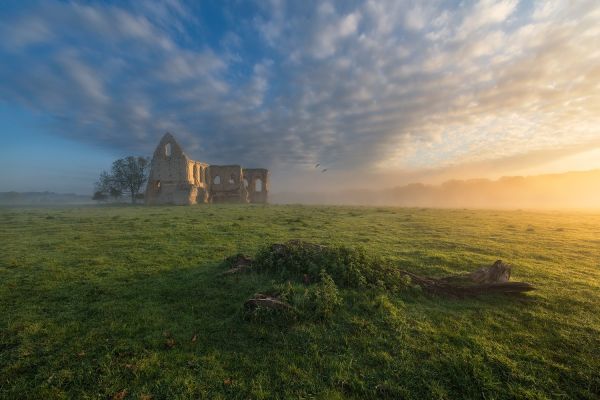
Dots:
pixel 176 179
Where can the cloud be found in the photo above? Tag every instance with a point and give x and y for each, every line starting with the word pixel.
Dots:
pixel 415 18
pixel 383 85
pixel 486 13
pixel 29 32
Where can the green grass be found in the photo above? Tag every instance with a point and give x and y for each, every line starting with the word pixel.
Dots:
pixel 94 301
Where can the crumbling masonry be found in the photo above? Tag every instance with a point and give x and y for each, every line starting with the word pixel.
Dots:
pixel 176 179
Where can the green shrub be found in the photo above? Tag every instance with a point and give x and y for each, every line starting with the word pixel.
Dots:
pixel 313 275
pixel 347 267
pixel 315 302
pixel 324 298
pixel 271 316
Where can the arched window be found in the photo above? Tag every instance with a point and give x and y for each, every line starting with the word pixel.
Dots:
pixel 258 185
pixel 232 179
pixel 199 171
pixel 217 180
pixel 168 149
pixel 196 173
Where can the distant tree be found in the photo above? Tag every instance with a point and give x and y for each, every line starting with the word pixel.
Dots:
pixel 127 176
pixel 99 196
pixel 106 187
pixel 115 193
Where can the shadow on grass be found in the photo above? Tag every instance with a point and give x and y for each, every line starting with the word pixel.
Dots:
pixel 180 333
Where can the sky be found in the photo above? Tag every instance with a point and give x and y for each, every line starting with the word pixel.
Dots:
pixel 381 93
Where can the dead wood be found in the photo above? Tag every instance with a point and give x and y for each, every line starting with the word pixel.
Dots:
pixel 488 280
pixel 499 272
pixel 262 300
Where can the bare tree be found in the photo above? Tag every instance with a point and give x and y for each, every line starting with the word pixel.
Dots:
pixel 127 176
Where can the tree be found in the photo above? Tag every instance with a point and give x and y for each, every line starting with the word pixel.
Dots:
pixel 127 176
pixel 99 196
pixel 115 193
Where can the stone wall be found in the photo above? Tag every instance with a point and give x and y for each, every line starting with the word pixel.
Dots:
pixel 256 181
pixel 226 184
pixel 176 179
pixel 168 182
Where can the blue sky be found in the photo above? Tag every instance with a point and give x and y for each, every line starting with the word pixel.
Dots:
pixel 380 92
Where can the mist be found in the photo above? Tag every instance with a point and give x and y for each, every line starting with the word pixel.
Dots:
pixel 566 190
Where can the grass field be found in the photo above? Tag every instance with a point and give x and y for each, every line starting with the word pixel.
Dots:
pixel 127 302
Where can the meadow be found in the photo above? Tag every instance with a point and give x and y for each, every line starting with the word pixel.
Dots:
pixel 129 303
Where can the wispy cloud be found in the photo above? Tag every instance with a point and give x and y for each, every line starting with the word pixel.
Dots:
pixel 380 84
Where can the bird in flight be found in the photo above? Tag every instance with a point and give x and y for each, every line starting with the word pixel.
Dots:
pixel 325 170
pixel 317 166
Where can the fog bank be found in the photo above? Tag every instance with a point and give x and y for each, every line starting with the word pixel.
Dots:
pixel 566 190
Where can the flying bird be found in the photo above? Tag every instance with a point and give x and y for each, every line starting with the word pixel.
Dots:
pixel 325 170
pixel 317 166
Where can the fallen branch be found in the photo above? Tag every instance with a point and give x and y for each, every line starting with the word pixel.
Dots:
pixel 488 280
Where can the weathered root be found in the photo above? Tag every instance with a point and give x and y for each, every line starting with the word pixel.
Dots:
pixel 499 272
pixel 262 300
pixel 488 280
pixel 443 287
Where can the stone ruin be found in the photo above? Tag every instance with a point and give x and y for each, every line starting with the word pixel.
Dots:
pixel 176 179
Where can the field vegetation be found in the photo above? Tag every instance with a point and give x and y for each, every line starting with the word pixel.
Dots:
pixel 130 303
